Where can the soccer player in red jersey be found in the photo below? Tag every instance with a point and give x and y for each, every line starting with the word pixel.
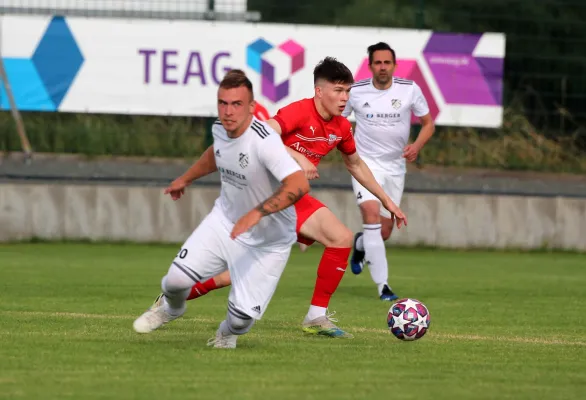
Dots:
pixel 311 128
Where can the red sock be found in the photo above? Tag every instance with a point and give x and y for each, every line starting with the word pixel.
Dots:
pixel 329 274
pixel 200 289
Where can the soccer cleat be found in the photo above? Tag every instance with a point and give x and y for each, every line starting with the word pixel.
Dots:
pixel 387 294
pixel 154 317
pixel 222 341
pixel 357 259
pixel 159 301
pixel 324 326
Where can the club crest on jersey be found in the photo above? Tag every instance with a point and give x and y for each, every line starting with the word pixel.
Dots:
pixel 243 159
pixel 396 103
pixel 332 139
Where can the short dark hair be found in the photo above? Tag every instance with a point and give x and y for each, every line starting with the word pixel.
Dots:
pixel 236 78
pixel 380 46
pixel 332 71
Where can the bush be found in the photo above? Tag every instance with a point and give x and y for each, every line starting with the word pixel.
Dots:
pixel 515 146
pixel 94 135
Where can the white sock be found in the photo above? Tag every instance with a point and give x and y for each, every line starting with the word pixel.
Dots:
pixel 174 301
pixel 376 253
pixel 315 312
pixel 224 329
pixel 174 306
pixel 360 243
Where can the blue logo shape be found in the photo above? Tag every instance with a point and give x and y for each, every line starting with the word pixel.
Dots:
pixel 254 52
pixel 27 87
pixel 57 59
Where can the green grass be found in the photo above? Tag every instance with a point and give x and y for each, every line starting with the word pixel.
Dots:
pixel 504 326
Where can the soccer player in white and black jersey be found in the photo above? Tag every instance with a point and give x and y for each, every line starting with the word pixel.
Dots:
pixel 382 107
pixel 251 227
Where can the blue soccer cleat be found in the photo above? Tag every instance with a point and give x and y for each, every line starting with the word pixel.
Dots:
pixel 387 294
pixel 357 259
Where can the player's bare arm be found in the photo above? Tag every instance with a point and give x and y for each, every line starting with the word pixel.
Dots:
pixel 306 165
pixel 427 129
pixel 360 171
pixel 205 165
pixel 275 125
pixel 293 187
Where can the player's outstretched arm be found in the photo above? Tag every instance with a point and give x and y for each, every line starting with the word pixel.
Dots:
pixel 360 171
pixel 205 165
pixel 293 187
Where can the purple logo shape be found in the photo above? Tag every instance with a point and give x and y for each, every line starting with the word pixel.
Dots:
pixel 461 77
pixel 276 65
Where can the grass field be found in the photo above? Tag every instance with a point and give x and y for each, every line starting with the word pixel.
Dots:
pixel 504 326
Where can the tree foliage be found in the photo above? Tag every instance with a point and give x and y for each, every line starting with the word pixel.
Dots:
pixel 545 65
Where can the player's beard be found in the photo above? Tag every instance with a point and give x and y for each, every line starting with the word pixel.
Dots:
pixel 384 79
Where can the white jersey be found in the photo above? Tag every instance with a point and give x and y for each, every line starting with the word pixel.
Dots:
pixel 383 121
pixel 252 167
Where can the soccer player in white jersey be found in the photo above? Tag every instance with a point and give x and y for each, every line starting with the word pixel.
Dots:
pixel 382 107
pixel 251 227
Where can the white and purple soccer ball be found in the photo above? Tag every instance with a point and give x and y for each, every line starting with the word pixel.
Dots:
pixel 408 319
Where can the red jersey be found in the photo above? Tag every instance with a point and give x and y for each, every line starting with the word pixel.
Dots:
pixel 303 129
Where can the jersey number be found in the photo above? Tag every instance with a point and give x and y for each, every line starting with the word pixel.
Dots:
pixel 182 254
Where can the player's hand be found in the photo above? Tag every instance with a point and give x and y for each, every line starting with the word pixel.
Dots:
pixel 410 152
pixel 308 167
pixel 247 221
pixel 398 216
pixel 176 189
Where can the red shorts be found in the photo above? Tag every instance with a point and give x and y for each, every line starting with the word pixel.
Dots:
pixel 305 207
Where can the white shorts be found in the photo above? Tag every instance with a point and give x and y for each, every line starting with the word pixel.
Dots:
pixel 254 272
pixel 393 186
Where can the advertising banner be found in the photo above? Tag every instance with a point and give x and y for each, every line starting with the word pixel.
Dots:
pixel 92 65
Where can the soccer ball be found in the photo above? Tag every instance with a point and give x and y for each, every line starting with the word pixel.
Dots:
pixel 408 319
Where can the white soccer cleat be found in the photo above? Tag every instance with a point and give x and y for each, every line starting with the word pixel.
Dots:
pixel 154 317
pixel 222 341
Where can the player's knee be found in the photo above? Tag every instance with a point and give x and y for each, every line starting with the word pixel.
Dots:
pixel 370 212
pixel 176 281
pixel 344 238
pixel 239 324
